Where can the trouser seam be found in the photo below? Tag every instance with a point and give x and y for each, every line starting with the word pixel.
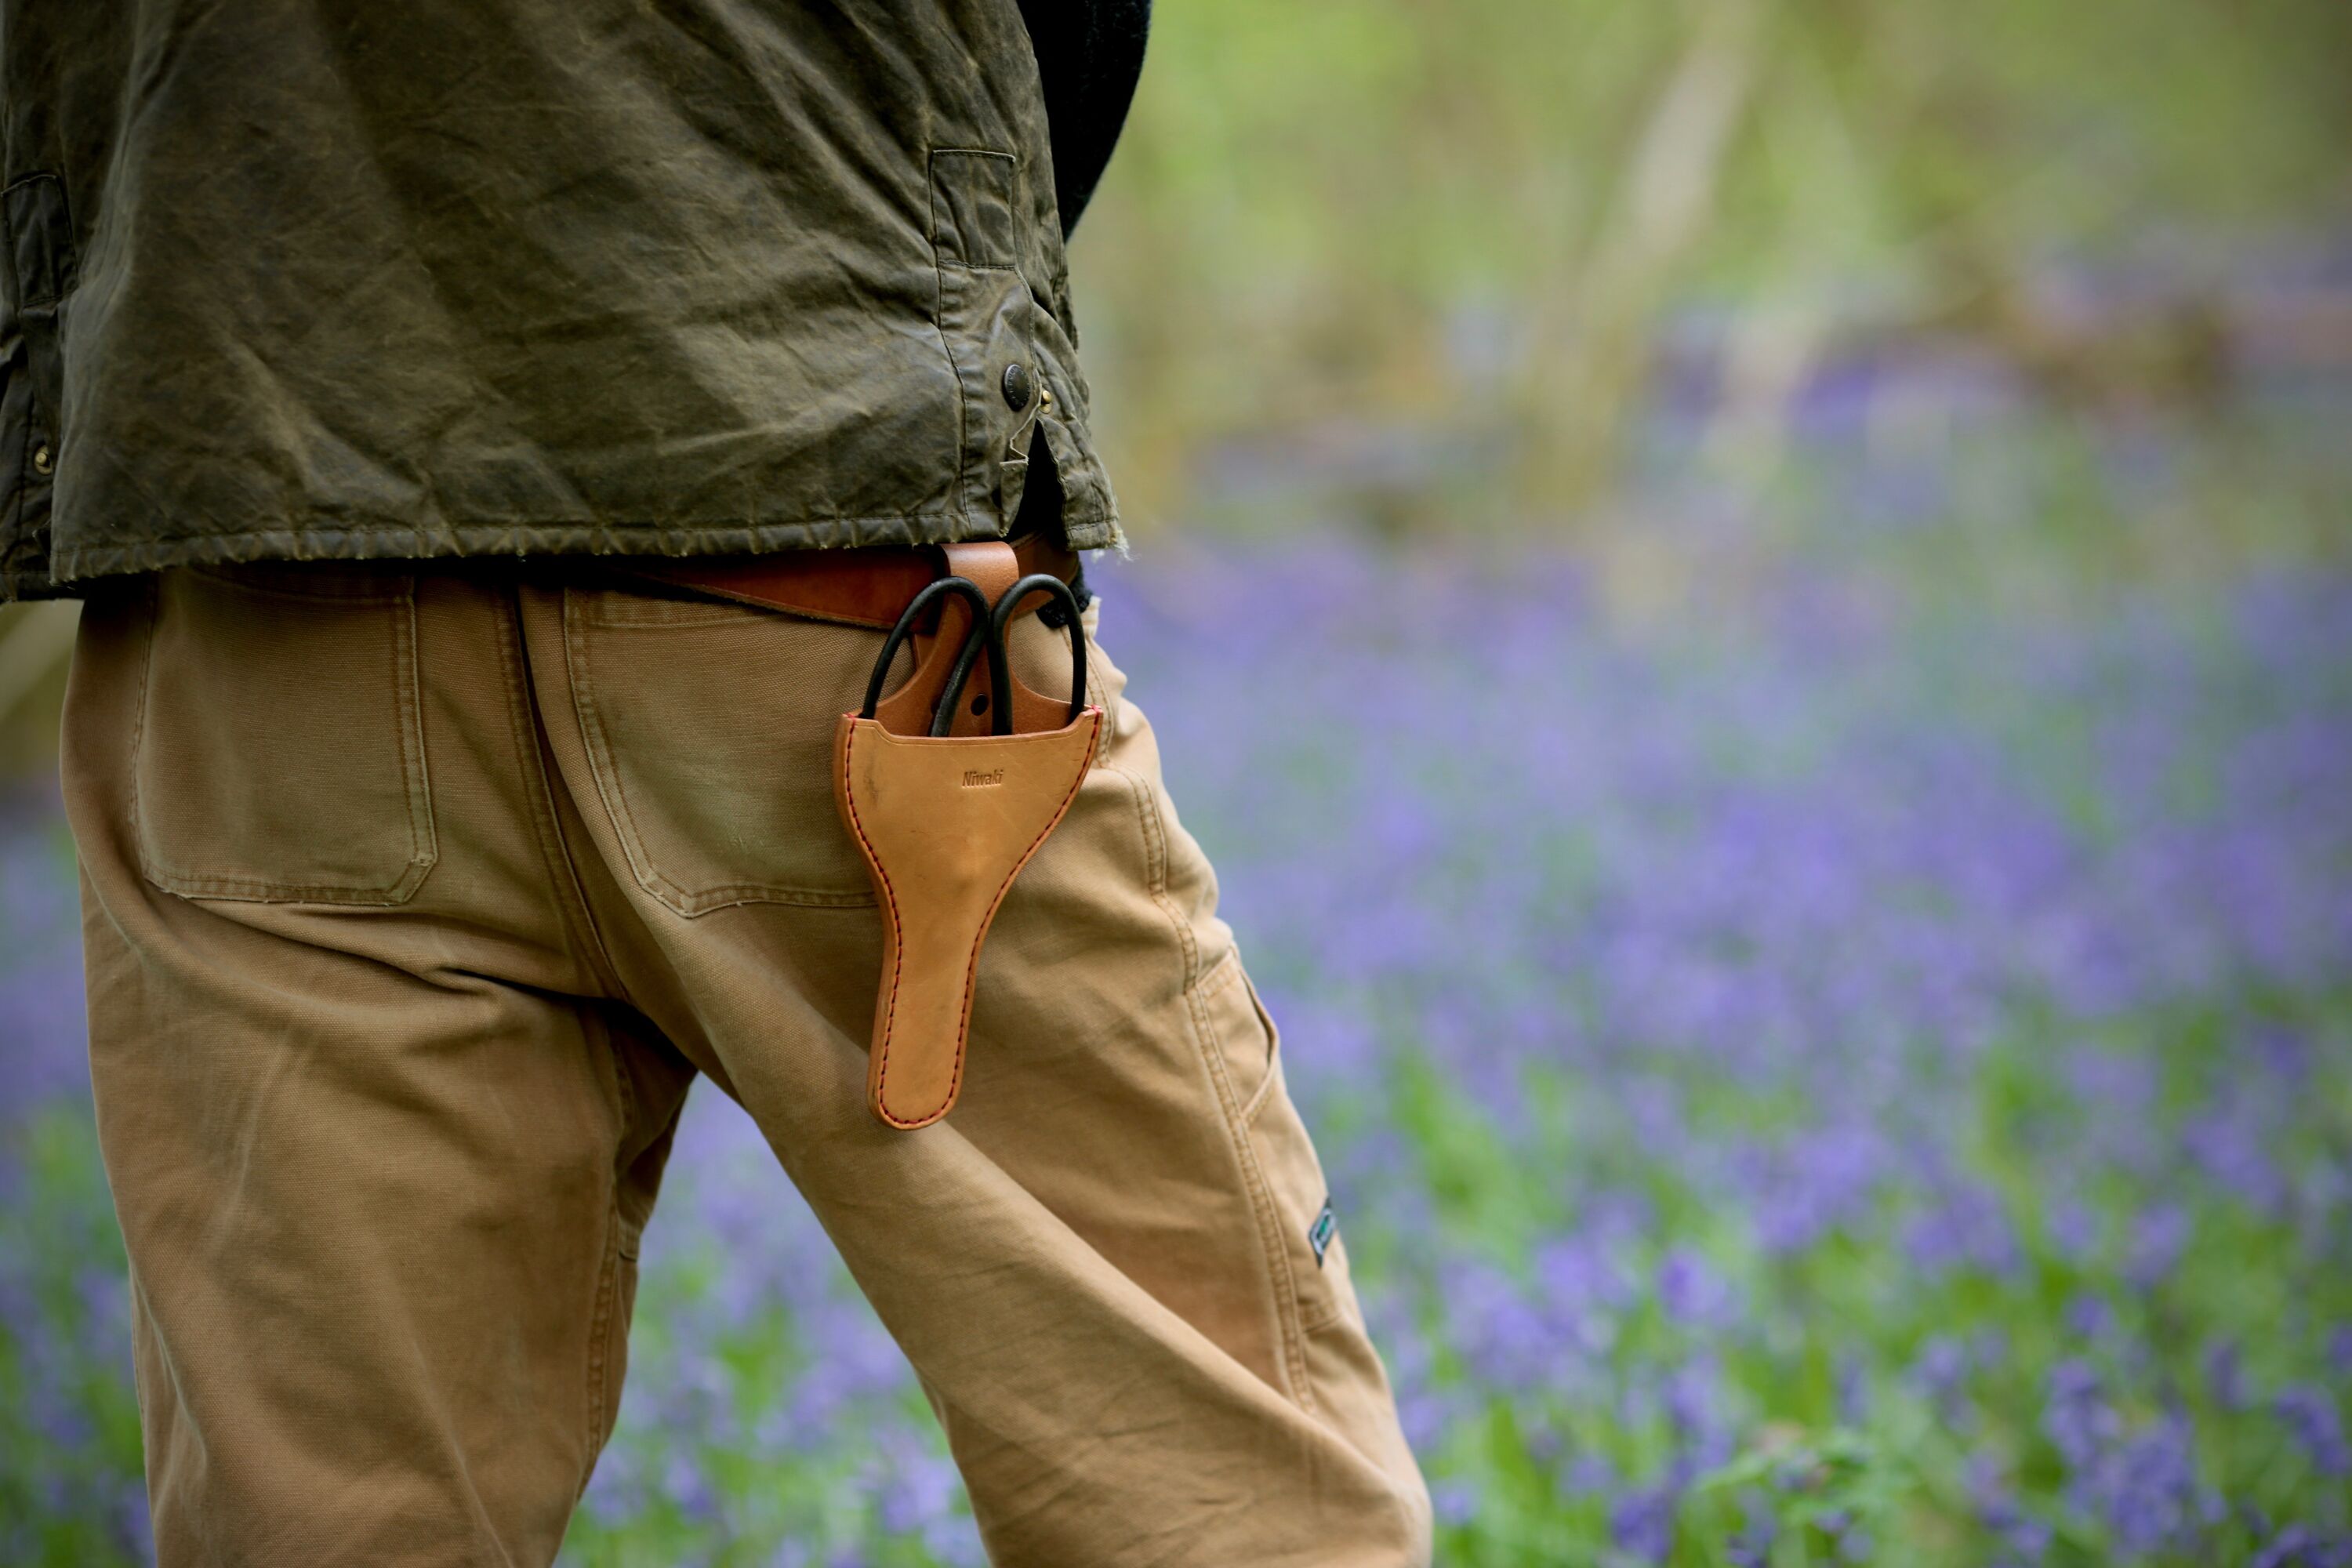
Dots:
pixel 600 1336
pixel 601 1046
pixel 531 736
pixel 1277 1259
pixel 149 609
pixel 580 683
pixel 571 899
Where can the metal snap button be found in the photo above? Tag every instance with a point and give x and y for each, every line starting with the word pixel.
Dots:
pixel 1019 385
pixel 44 461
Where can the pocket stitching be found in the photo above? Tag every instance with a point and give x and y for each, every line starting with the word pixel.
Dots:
pixel 602 766
pixel 1264 1093
pixel 1322 1308
pixel 1223 976
pixel 416 788
pixel 653 612
pixel 1273 1245
pixel 1274 1254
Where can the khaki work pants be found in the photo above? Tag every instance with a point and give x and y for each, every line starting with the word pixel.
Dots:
pixel 415 901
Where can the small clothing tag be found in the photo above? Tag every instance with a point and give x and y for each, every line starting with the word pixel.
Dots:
pixel 1319 1233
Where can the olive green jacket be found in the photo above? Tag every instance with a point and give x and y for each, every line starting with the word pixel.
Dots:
pixel 344 279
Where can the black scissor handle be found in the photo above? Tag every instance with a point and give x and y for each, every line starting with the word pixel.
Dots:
pixel 979 634
pixel 985 636
pixel 999 671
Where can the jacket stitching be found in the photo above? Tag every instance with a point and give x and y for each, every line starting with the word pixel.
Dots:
pixel 68 271
pixel 503 539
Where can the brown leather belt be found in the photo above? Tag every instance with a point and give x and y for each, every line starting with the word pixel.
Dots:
pixel 866 587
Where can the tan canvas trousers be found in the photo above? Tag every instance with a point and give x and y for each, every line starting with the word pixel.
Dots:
pixel 414 902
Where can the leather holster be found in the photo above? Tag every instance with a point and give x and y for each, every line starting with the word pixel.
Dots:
pixel 944 822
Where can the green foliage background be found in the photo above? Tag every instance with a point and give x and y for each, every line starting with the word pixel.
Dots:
pixel 1319 211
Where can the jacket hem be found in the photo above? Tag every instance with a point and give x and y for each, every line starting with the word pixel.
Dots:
pixel 68 570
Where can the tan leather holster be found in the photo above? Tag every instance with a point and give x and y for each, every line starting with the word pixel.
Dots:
pixel 945 822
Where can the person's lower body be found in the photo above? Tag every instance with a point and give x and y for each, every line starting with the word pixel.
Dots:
pixel 414 902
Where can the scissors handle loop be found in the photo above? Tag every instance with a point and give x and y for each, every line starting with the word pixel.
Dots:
pixel 1000 674
pixel 984 636
pixel 963 588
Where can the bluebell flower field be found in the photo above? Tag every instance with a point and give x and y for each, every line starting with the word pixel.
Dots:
pixel 1848 1061
pixel 1753 601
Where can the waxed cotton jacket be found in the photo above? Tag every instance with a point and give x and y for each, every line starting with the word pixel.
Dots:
pixel 344 279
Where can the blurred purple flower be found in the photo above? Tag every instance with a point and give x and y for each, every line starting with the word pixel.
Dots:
pixel 1691 1292
pixel 2312 1417
pixel 1965 1228
pixel 2225 1377
pixel 1940 1369
pixel 2300 1546
pixel 1642 1523
pixel 687 1487
pixel 2088 1316
pixel 2159 1235
pixel 1454 1503
pixel 2076 1415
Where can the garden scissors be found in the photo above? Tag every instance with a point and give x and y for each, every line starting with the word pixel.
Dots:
pixel 984 637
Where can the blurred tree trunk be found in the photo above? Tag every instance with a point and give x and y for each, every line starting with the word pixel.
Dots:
pixel 1588 367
